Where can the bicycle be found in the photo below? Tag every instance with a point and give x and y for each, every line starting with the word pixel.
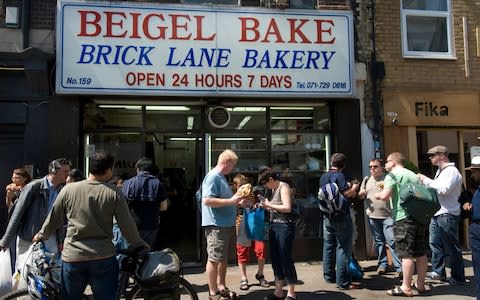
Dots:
pixel 43 279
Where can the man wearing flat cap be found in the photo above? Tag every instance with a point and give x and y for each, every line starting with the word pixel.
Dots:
pixel 474 231
pixel 444 241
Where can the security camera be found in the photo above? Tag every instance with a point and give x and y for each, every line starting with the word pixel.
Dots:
pixel 395 122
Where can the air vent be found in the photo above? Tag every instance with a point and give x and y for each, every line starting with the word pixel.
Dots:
pixel 218 117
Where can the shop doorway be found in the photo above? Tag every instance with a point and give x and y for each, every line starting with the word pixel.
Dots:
pixel 179 158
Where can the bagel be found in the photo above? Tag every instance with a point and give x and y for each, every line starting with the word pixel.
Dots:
pixel 245 190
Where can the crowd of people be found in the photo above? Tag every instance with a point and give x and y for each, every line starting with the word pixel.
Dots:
pixel 89 219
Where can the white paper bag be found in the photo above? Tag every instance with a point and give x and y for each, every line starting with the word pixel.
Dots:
pixel 5 272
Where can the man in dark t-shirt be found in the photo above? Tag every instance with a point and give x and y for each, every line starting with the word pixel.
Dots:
pixel 146 196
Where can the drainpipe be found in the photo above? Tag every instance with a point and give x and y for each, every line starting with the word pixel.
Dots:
pixel 25 23
pixel 374 77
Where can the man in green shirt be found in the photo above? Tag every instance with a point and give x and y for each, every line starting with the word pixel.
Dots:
pixel 89 207
pixel 410 240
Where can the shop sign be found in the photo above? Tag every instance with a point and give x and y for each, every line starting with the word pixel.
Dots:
pixel 431 109
pixel 157 49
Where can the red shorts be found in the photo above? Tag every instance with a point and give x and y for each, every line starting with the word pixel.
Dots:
pixel 243 252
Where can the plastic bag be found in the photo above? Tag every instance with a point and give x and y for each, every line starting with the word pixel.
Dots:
pixel 256 224
pixel 355 270
pixel 6 273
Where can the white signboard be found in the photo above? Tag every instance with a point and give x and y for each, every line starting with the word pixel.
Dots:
pixel 154 49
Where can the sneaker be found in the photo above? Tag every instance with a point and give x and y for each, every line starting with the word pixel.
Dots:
pixel 434 276
pixel 452 281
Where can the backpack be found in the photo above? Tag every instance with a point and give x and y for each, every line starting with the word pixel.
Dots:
pixel 332 202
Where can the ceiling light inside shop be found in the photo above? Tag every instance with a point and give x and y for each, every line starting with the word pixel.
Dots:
pixel 234 139
pixel 292 118
pixel 184 139
pixel 291 108
pixel 167 107
pixel 133 107
pixel 190 121
pixel 246 109
pixel 244 122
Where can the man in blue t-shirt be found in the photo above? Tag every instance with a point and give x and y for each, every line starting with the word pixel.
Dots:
pixel 146 197
pixel 219 207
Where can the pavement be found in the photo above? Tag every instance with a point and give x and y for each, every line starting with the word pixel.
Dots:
pixel 313 287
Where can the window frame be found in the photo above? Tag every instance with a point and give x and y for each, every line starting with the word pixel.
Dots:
pixel 447 15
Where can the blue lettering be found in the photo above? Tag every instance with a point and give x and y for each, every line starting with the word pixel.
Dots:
pixel 312 58
pixel 280 59
pixel 265 60
pixel 144 56
pixel 170 57
pixel 223 59
pixel 86 55
pixel 327 59
pixel 103 51
pixel 297 57
pixel 124 55
pixel 250 58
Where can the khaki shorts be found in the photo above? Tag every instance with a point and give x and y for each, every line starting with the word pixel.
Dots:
pixel 219 240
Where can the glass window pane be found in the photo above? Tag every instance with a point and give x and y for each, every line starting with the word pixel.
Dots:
pixel 243 118
pixel 439 5
pixel 251 150
pixel 178 118
pixel 299 151
pixel 427 34
pixel 300 118
pixel 112 116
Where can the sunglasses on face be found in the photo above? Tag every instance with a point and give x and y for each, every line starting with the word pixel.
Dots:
pixel 374 167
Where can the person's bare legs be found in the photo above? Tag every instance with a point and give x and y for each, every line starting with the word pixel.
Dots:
pixel 422 266
pixel 212 274
pixel 243 270
pixel 291 291
pixel 221 275
pixel 261 265
pixel 408 267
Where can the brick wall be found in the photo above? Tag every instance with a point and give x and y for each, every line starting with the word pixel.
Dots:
pixel 427 74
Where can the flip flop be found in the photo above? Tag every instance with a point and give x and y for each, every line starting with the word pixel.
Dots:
pixel 244 285
pixel 397 291
pixel 227 294
pixel 420 291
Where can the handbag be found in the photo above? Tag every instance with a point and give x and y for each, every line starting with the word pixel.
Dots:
pixel 419 201
pixel 255 224
pixel 6 274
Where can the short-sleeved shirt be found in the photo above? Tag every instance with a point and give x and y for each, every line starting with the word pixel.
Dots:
pixel 215 185
pixel 375 208
pixel 144 193
pixel 400 176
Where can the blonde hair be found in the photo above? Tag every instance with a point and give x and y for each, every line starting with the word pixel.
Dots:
pixel 397 157
pixel 242 179
pixel 226 156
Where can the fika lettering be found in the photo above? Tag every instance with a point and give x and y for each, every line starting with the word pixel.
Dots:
pixel 427 109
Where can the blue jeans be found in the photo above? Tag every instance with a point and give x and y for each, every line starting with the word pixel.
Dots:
pixel 337 249
pixel 281 237
pixel 101 275
pixel 382 231
pixel 446 247
pixel 474 234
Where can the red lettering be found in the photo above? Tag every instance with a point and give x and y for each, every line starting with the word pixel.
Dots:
pixel 199 35
pixel 176 25
pixel 134 34
pixel 111 23
pixel 244 29
pixel 146 27
pixel 297 30
pixel 84 14
pixel 320 32
pixel 273 30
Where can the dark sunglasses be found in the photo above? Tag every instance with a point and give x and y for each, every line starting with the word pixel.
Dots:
pixel 374 167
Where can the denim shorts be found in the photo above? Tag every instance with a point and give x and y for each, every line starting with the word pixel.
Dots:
pixel 219 240
pixel 410 238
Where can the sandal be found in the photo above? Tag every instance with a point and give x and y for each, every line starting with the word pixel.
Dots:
pixel 228 295
pixel 262 280
pixel 244 285
pixel 217 296
pixel 420 291
pixel 397 291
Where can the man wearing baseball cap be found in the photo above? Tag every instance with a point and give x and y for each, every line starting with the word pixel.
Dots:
pixel 474 231
pixel 444 241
